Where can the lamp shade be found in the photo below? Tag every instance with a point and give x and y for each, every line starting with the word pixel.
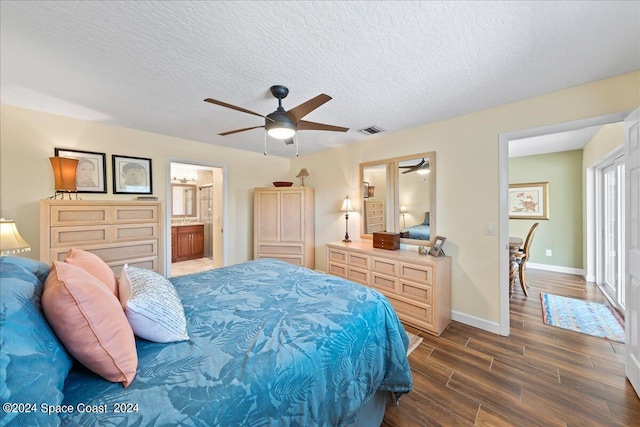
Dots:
pixel 10 240
pixel 303 173
pixel 346 205
pixel 64 172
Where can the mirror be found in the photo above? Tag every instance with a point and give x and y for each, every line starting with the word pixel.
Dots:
pixel 398 195
pixel 184 200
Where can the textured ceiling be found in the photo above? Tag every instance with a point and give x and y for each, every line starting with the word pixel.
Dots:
pixel 150 64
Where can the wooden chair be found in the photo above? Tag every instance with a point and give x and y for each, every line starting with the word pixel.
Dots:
pixel 522 256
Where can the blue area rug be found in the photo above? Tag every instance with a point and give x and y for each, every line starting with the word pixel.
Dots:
pixel 598 320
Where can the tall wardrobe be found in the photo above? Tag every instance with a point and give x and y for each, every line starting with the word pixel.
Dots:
pixel 283 224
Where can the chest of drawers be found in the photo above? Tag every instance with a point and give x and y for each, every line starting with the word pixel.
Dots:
pixel 418 286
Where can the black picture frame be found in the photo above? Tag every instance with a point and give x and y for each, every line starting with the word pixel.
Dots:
pixel 436 248
pixel 91 172
pixel 131 175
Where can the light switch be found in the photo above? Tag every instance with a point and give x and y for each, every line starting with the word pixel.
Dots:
pixel 490 228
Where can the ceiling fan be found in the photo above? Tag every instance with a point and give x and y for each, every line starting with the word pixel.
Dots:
pixel 422 167
pixel 283 124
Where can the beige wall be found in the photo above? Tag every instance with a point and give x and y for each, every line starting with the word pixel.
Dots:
pixel 28 139
pixel 466 190
pixel 467 178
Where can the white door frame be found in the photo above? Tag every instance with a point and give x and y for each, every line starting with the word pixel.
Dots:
pixel 168 198
pixel 612 159
pixel 632 241
pixel 503 189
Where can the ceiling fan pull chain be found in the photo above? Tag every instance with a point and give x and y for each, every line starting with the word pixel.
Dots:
pixel 296 137
pixel 265 142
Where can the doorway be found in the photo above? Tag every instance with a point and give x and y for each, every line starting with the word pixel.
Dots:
pixel 196 200
pixel 503 188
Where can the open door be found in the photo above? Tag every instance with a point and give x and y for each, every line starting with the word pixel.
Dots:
pixel 632 237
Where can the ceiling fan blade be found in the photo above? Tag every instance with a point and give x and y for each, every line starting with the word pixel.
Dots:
pixel 239 130
pixel 305 125
pixel 233 107
pixel 297 113
pixel 412 169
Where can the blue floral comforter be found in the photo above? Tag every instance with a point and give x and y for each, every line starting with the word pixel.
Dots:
pixel 271 344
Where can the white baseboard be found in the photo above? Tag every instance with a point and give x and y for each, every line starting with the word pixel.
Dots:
pixel 476 322
pixel 556 268
pixel 590 278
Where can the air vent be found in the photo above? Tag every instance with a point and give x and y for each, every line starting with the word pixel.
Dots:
pixel 371 130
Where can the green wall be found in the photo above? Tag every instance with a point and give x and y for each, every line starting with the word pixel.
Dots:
pixel 562 233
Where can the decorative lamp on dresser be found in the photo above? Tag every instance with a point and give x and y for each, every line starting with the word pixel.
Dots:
pixel 283 224
pixel 418 286
pixel 119 232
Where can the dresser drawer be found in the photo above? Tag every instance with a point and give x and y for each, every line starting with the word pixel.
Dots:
pixel 338 269
pixel 80 215
pixel 385 283
pixel 418 315
pixel 358 260
pixel 385 266
pixel 281 248
pixel 358 275
pixel 415 273
pixel 416 291
pixel 75 236
pixel 336 255
pixel 129 214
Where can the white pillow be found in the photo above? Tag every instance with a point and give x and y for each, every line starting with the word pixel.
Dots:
pixel 152 305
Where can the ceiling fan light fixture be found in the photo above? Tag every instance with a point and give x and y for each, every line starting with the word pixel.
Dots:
pixel 280 132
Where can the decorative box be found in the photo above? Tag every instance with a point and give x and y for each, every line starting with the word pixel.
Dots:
pixel 385 240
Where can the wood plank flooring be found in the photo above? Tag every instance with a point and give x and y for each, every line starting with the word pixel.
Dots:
pixel 540 375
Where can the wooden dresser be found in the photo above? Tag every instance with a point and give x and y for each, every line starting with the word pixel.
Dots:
pixel 283 224
pixel 119 232
pixel 374 216
pixel 418 286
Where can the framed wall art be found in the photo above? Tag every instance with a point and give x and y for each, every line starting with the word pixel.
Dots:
pixel 91 172
pixel 529 200
pixel 131 175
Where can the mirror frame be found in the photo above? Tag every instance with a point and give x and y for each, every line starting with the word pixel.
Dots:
pixel 392 201
pixel 195 201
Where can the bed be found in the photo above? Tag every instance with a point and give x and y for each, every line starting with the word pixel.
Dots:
pixel 270 344
pixel 419 231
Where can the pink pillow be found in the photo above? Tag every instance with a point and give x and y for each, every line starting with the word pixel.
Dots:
pixel 89 321
pixel 95 266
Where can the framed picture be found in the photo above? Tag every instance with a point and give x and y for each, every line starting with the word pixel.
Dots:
pixel 131 175
pixel 91 170
pixel 529 201
pixel 436 248
pixel 365 190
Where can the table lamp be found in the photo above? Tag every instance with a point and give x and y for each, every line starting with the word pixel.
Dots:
pixel 10 240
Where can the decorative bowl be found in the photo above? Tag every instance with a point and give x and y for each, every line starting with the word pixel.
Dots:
pixel 283 183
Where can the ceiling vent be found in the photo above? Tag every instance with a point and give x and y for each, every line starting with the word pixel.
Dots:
pixel 371 130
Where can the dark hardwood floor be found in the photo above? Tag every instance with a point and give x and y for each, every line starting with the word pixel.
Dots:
pixel 540 375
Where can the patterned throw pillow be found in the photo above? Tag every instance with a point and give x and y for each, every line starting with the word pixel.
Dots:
pixel 152 306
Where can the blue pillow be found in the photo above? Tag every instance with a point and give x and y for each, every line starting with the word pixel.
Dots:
pixel 33 363
pixel 426 219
